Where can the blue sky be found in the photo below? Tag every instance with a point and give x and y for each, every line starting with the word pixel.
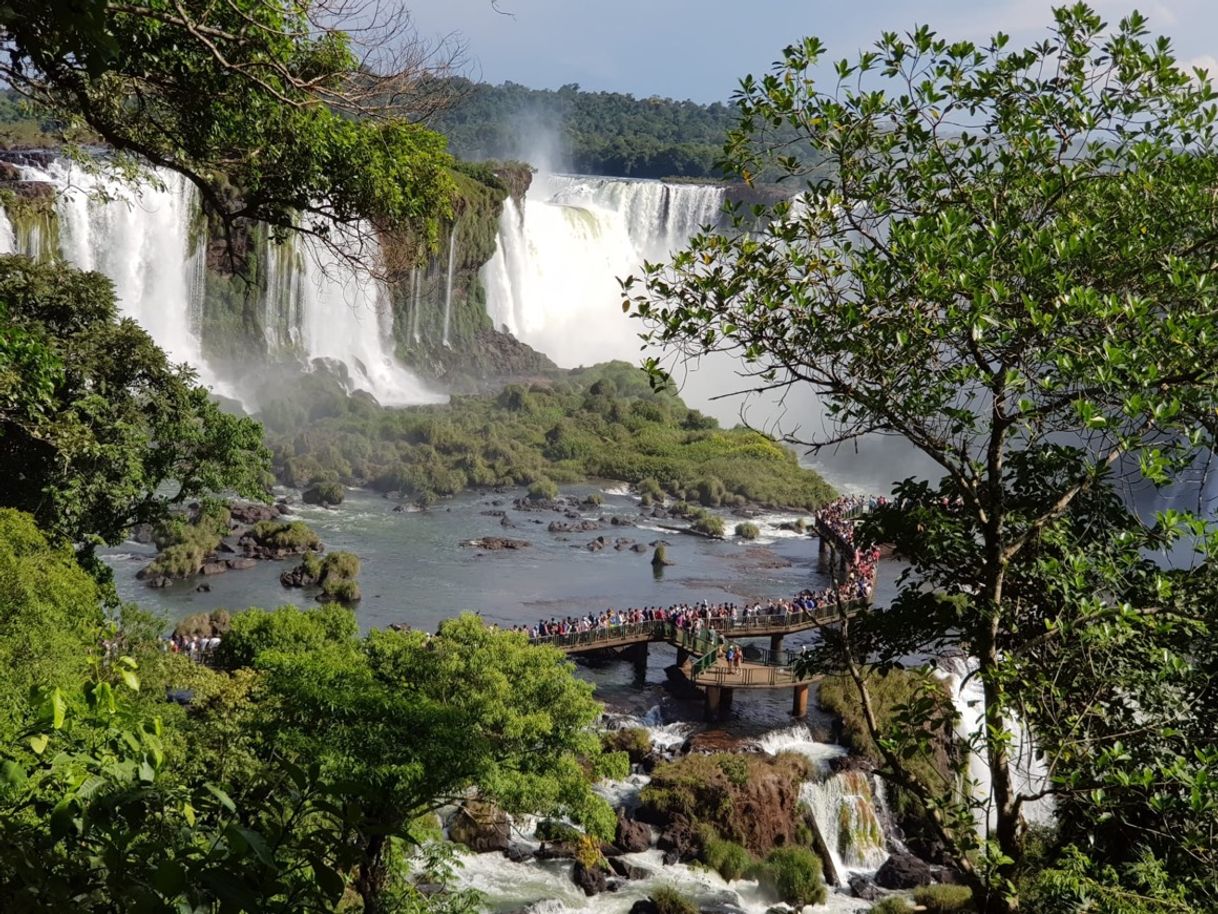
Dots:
pixel 699 50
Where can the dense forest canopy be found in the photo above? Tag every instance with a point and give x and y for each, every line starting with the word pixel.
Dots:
pixel 603 133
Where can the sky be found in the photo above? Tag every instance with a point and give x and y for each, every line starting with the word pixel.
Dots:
pixel 699 49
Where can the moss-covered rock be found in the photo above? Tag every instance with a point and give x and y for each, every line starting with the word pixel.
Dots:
pixel 327 494
pixel 749 800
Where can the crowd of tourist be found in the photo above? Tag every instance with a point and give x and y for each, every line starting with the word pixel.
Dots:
pixel 196 647
pixel 858 584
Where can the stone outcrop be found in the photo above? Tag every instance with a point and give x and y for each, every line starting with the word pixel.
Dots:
pixel 903 871
pixel 481 827
pixel 631 836
pixel 496 543
pixel 752 800
pixel 592 879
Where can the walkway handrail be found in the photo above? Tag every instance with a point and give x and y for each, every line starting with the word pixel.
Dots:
pixel 657 630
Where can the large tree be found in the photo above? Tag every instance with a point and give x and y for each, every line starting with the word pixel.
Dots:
pixel 1010 265
pixel 404 723
pixel 295 113
pixel 98 430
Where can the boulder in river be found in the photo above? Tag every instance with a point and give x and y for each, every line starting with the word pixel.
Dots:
pixel 903 871
pixel 496 543
pixel 592 879
pixel 631 836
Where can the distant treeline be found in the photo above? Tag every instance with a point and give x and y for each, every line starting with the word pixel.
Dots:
pixel 592 132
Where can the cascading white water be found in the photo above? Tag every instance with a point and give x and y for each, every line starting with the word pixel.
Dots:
pixel 141 238
pixel 553 279
pixel 317 302
pixel 1028 772
pixel 448 282
pixel 842 803
pixel 344 315
pixel 415 295
pixel 844 807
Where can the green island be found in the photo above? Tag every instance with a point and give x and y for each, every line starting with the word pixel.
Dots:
pixel 603 422
pixel 1003 258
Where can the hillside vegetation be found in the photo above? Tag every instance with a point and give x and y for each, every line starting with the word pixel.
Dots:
pixel 602 422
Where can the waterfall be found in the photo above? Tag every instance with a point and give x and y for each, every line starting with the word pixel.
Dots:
pixel 141 238
pixel 844 808
pixel 345 315
pixel 553 279
pixel 318 302
pixel 415 294
pixel 1028 772
pixel 842 804
pixel 448 281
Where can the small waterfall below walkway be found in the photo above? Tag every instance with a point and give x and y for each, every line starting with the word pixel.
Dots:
pixel 845 805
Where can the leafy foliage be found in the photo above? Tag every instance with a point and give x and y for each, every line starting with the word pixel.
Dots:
pixel 793 875
pixel 266 107
pixel 105 433
pixel 50 616
pixel 602 422
pixel 1009 265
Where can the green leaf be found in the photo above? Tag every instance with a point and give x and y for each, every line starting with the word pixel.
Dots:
pixel 12 775
pixel 225 800
pixel 39 743
pixel 130 679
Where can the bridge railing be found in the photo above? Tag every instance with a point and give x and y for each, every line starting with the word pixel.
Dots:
pixel 742 627
pixel 745 676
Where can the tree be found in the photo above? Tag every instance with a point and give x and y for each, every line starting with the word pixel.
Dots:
pixel 1010 265
pixel 268 107
pixel 50 616
pixel 403 723
pixel 106 433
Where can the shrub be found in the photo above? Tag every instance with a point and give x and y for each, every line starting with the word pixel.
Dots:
pixel 339 565
pixel 748 531
pixel 728 859
pixel 893 904
pixel 793 875
pixel 710 524
pixel 323 493
pixel 648 485
pixel 341 590
pixel 594 500
pixel 544 489
pixel 645 501
pixel 670 901
pixel 634 741
pixel 942 899
pixel 277 534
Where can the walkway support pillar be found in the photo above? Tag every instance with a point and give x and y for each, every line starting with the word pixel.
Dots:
pixel 725 703
pixel 682 656
pixel 799 706
pixel 712 702
pixel 775 644
pixel 822 555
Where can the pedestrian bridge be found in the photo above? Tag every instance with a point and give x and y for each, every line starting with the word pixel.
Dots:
pixel 700 654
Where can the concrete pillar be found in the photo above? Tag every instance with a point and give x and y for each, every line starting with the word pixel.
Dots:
pixel 799 706
pixel 822 555
pixel 775 644
pixel 712 702
pixel 725 703
pixel 682 656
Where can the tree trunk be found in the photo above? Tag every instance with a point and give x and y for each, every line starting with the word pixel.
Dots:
pixel 373 874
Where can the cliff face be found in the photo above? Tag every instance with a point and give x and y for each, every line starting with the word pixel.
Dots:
pixel 441 325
